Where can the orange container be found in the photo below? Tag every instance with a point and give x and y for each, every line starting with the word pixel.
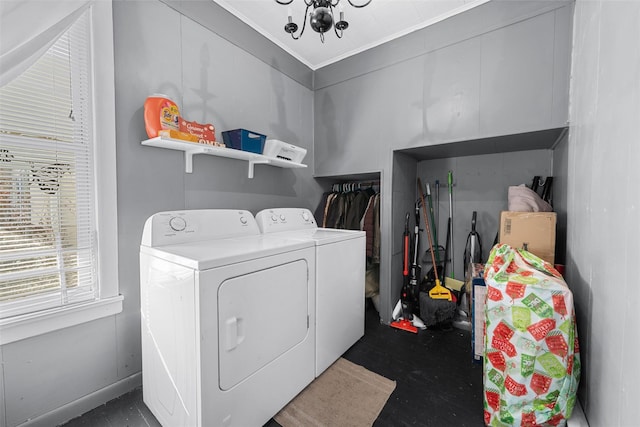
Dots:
pixel 204 132
pixel 160 113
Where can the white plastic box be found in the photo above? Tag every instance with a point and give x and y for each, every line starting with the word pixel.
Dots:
pixel 282 150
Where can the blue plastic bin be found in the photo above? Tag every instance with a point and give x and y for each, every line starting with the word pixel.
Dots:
pixel 245 140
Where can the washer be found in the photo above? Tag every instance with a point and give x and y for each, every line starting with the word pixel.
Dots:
pixel 340 278
pixel 228 318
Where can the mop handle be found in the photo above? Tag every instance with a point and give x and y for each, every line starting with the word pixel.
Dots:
pixel 405 267
pixel 405 242
pixel 450 183
pixel 437 213
pixel 426 221
pixel 431 222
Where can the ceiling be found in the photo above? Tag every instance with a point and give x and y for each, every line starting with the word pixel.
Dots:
pixel 377 23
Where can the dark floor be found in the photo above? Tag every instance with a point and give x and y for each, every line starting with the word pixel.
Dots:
pixel 436 382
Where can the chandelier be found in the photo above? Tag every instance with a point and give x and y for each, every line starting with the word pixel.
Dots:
pixel 320 18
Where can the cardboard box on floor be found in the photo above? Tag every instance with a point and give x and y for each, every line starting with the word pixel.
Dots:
pixel 535 230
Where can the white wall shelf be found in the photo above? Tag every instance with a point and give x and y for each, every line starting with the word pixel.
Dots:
pixel 191 148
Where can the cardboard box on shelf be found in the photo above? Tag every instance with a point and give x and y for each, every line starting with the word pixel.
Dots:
pixel 535 231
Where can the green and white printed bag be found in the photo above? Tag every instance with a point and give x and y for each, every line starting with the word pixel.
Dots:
pixel 531 356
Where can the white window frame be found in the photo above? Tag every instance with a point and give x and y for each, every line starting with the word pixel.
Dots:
pixel 109 301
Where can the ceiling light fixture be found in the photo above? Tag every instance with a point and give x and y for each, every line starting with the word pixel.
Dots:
pixel 320 18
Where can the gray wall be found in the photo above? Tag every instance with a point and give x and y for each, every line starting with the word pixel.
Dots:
pixel 603 231
pixel 229 27
pixel 432 88
pixel 212 80
pixel 503 81
pixel 560 195
pixel 480 183
pixel 402 202
pixel 500 69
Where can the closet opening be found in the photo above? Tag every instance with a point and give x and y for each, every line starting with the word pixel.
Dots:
pixel 354 202
pixel 481 173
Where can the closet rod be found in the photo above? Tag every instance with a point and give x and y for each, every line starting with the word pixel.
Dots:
pixel 377 182
pixel 354 185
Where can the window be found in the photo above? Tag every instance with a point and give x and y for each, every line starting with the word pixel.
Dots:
pixel 54 251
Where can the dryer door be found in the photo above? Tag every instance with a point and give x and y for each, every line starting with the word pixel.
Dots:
pixel 261 315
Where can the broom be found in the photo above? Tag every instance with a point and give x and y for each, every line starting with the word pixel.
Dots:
pixel 438 291
pixel 437 305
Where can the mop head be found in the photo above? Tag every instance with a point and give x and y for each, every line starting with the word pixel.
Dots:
pixel 405 325
pixel 434 311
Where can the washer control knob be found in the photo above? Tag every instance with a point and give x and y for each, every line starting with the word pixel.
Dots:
pixel 177 223
pixel 305 216
pixel 243 220
pixel 282 217
pixel 274 218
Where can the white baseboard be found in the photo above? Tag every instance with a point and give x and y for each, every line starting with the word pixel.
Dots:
pixel 86 403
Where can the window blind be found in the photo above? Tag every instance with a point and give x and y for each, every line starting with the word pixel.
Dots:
pixel 47 218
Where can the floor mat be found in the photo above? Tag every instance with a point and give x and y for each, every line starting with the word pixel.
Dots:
pixel 345 394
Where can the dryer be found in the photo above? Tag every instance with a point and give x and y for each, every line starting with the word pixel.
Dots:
pixel 228 318
pixel 340 278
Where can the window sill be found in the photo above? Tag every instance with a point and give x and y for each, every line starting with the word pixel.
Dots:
pixel 33 324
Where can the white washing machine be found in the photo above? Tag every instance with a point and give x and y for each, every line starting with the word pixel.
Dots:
pixel 340 278
pixel 228 318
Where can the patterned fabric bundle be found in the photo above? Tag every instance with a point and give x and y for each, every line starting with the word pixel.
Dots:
pixel 531 356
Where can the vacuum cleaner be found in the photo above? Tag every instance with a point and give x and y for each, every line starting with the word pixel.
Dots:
pixel 404 312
